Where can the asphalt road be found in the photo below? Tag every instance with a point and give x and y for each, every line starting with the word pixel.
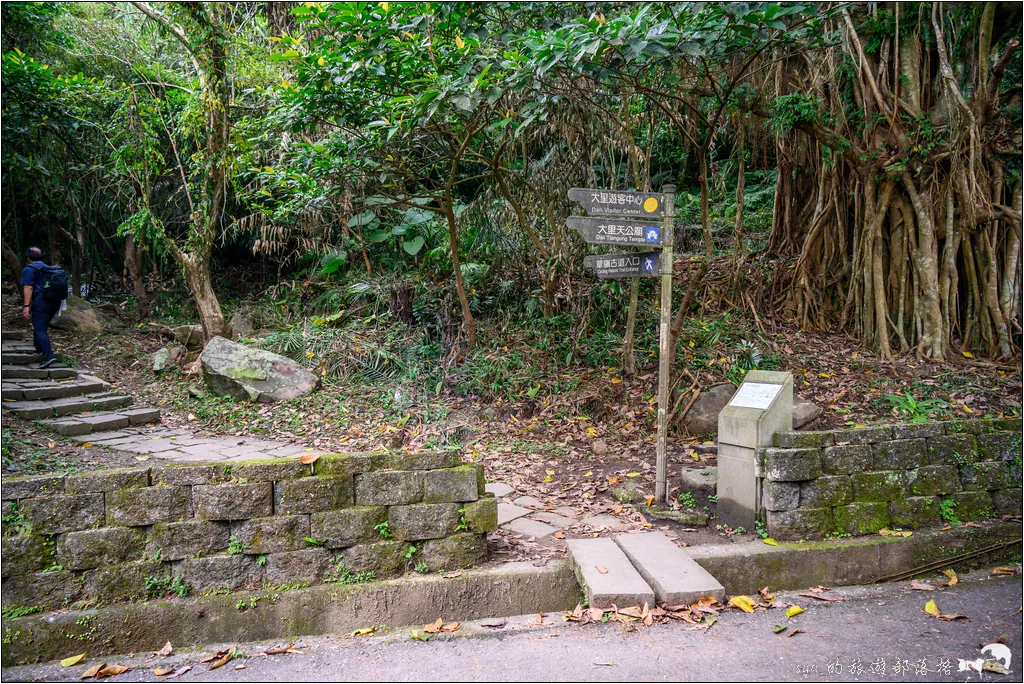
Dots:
pixel 842 641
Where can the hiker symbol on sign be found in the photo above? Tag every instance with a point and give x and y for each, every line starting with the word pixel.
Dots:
pixel 648 264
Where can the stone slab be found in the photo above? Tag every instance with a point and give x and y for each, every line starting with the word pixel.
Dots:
pixel 620 586
pixel 530 528
pixel 675 577
pixel 609 522
pixel 499 489
pixel 528 502
pixel 552 519
pixel 508 512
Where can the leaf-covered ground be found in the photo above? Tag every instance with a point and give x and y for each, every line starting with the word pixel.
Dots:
pixel 567 449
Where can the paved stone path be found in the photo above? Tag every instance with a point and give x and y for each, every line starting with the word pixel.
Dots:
pixel 530 517
pixel 83 407
pixel 182 445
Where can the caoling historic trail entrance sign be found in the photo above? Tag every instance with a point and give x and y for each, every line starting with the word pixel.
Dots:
pixel 636 219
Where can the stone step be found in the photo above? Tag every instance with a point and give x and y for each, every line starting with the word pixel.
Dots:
pixel 52 389
pixel 56 371
pixel 11 335
pixel 675 577
pixel 35 410
pixel 620 585
pixel 104 421
pixel 18 347
pixel 19 358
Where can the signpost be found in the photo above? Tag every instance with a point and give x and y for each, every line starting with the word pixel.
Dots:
pixel 643 231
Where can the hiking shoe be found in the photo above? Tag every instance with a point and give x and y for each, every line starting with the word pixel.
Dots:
pixel 47 363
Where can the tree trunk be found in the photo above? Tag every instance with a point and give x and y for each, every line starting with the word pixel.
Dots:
pixel 197 274
pixel 453 239
pixel 133 262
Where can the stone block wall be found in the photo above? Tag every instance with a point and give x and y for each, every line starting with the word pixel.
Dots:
pixel 192 529
pixel 911 476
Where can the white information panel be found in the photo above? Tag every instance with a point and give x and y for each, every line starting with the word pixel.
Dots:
pixel 755 395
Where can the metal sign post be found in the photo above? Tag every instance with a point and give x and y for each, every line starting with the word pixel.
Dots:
pixel 636 232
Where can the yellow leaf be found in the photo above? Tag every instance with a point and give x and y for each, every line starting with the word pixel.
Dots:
pixel 589 473
pixel 824 375
pixel 793 611
pixel 691 344
pixel 384 5
pixel 770 542
pixel 932 609
pixel 953 579
pixel 87 444
pixel 310 355
pixel 459 42
pixel 320 61
pixel 550 471
pixel 968 355
pixel 362 632
pixel 616 381
pixel 649 500
pixel 744 603
pixel 632 474
pixel 592 432
pixel 72 660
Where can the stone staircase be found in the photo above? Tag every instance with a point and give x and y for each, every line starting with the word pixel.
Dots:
pixel 59 397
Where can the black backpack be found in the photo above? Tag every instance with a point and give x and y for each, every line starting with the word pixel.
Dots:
pixel 55 283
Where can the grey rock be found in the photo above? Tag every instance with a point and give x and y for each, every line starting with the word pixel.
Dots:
pixel 702 418
pixel 805 413
pixel 79 317
pixel 232 369
pixel 161 359
pixel 699 480
pixel 189 336
pixel 499 489
pixel 241 324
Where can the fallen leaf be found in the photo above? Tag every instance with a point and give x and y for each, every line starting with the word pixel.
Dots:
pixel 167 650
pixel 295 651
pixel 968 355
pixel 819 597
pixel 86 444
pixel 921 586
pixel 72 660
pixel 92 671
pixel 608 664
pixel 953 579
pixel 307 459
pixel 1004 572
pixel 793 611
pixel 276 651
pixel 452 575
pixel 770 542
pixel 595 614
pixel 354 633
pixel 452 627
pixel 240 666
pixel 435 627
pixel 601 569
pixel 161 673
pixel 994 666
pixel 112 670
pixel 932 609
pixel 223 660
pixel 766 596
pixel 744 603
pixel 886 532
pixel 649 500
pixel 632 474
pixel 559 535
pixel 496 623
pixel 420 636
pixel 794 633
pixel 180 671
pixel 778 629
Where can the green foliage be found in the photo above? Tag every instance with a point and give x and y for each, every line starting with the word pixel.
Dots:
pixel 235 546
pixel 342 575
pixel 383 530
pixel 164 586
pixel 9 612
pixel 915 410
pixel 687 499
pixel 947 510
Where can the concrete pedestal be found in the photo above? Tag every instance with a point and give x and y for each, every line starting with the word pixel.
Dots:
pixel 761 407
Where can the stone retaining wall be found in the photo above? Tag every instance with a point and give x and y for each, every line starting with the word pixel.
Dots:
pixel 118 535
pixel 911 476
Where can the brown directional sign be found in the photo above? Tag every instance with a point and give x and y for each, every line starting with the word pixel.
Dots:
pixel 634 264
pixel 619 202
pixel 611 231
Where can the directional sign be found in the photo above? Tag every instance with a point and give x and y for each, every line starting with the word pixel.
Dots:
pixel 611 266
pixel 619 202
pixel 609 231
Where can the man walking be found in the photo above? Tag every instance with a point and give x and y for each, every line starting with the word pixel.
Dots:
pixel 45 287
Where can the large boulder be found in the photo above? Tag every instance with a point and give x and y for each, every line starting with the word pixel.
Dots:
pixel 188 336
pixel 241 324
pixel 702 418
pixel 79 317
pixel 232 369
